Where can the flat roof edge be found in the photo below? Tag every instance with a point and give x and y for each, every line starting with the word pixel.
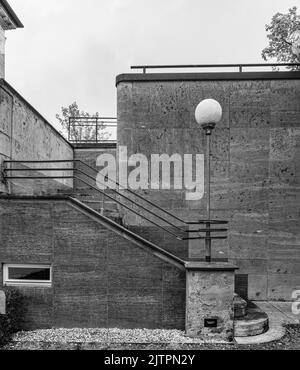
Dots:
pixel 210 76
pixel 102 145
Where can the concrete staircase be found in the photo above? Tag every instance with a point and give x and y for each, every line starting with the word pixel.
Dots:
pixel 249 320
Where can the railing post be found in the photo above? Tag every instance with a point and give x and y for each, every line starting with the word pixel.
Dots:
pixel 69 131
pixel 97 130
pixel 208 244
pixel 2 172
pixel 4 184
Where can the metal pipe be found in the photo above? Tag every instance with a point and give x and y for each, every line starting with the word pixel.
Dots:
pixel 208 173
pixel 207 237
pixel 97 130
pixel 216 222
pixel 208 241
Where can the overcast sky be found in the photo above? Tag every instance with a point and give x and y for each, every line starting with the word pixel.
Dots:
pixel 72 50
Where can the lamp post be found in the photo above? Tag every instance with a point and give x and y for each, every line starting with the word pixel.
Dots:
pixel 208 114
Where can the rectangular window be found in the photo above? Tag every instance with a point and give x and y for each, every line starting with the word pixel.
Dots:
pixel 35 275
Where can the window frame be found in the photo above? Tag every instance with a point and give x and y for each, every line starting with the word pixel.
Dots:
pixel 20 282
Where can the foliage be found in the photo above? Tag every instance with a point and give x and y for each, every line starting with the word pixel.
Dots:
pixel 78 129
pixel 13 321
pixel 280 34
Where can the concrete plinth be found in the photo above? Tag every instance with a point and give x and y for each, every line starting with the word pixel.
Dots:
pixel 209 300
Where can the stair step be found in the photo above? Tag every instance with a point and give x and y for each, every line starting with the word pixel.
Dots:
pixel 107 205
pixel 255 322
pixel 110 210
pixel 84 191
pixel 87 190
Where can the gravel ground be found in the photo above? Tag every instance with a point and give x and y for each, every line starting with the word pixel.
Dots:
pixel 116 339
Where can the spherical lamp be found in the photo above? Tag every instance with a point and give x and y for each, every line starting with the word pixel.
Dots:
pixel 208 113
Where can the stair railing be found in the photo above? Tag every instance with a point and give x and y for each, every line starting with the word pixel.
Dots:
pixel 208 230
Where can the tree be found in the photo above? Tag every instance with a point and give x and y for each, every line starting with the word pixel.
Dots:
pixel 284 38
pixel 78 126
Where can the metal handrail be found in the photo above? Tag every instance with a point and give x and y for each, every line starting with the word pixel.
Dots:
pixel 208 230
pixel 122 195
pixel 133 202
pixel 93 118
pixel 93 187
pixel 240 66
pixel 85 174
pixel 110 197
pixel 102 192
pixel 98 122
pixel 130 191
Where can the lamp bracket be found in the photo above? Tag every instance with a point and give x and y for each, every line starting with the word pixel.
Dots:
pixel 208 127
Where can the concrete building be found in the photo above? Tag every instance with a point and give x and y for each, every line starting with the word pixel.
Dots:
pixel 83 257
pixel 255 163
pixel 8 21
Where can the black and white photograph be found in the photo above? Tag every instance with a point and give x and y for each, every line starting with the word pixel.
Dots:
pixel 149 179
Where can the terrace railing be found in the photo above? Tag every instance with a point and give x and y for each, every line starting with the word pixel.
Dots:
pixel 92 129
pixel 239 67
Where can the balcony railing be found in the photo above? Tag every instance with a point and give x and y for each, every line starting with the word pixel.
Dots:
pixel 92 130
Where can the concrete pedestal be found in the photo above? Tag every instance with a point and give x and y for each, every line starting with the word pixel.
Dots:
pixel 209 300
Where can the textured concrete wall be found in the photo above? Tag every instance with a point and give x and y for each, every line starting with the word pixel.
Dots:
pixel 2 53
pixel 25 135
pixel 89 156
pixel 255 166
pixel 99 278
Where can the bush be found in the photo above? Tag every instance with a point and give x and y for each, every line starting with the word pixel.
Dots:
pixel 13 321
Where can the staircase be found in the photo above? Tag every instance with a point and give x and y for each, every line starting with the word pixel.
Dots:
pixel 106 207
pixel 112 203
pixel 249 320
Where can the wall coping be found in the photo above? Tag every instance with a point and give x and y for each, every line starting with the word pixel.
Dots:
pixel 83 146
pixel 4 84
pixel 211 76
pixel 210 266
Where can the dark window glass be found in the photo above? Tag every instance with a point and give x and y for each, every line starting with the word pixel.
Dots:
pixel 28 273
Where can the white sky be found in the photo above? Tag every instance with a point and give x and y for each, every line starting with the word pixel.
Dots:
pixel 72 50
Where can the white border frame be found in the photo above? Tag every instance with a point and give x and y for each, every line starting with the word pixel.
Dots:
pixel 34 283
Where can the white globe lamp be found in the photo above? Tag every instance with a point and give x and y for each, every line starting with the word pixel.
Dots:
pixel 208 113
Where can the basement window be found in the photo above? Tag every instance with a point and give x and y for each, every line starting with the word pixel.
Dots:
pixel 27 275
